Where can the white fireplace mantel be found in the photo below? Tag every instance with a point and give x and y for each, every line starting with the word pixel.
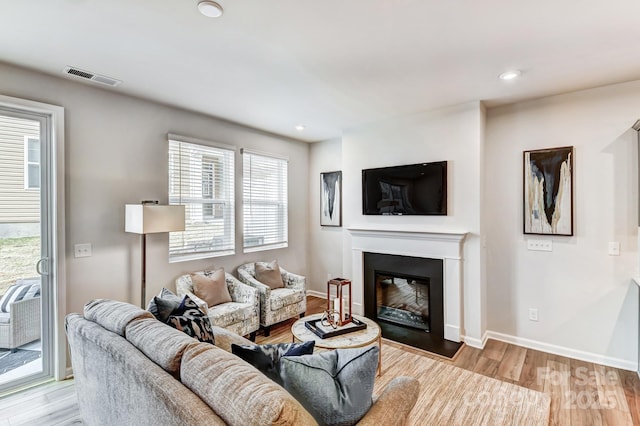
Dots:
pixel 435 245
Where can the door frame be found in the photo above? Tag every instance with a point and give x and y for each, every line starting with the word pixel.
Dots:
pixel 57 259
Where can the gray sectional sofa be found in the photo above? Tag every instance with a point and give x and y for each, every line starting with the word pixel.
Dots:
pixel 130 368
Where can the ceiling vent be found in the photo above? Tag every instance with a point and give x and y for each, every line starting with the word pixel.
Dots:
pixel 86 75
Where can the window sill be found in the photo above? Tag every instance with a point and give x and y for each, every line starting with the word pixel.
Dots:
pixel 197 256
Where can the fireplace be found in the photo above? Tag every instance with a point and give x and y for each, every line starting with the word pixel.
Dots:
pixel 403 299
pixel 404 295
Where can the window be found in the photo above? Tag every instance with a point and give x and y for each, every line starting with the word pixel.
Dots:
pixel 31 163
pixel 265 209
pixel 201 176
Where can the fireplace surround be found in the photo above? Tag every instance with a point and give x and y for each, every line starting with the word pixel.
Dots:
pixel 444 250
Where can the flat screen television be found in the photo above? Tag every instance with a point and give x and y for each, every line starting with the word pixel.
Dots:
pixel 415 189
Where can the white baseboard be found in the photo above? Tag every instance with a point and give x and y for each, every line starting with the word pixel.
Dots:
pixel 320 294
pixel 563 351
pixel 476 343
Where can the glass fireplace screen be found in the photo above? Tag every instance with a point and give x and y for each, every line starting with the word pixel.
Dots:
pixel 403 300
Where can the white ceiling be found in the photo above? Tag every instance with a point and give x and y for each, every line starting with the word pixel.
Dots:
pixel 331 64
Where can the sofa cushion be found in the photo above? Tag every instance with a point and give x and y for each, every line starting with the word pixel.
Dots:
pixel 230 313
pixel 269 274
pixel 113 315
pixel 162 344
pixel 225 338
pixel 282 297
pixel 211 287
pixel 266 358
pixel 163 304
pixel 335 386
pixel 189 319
pixel 236 391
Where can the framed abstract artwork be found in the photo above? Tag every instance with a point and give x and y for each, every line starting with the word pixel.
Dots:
pixel 331 199
pixel 548 191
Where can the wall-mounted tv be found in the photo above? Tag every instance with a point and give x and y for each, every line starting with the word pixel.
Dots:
pixel 415 189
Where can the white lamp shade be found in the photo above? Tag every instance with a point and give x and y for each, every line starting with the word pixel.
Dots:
pixel 152 218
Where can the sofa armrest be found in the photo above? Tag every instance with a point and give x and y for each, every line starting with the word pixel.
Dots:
pixel 224 338
pixel 293 281
pixel 394 404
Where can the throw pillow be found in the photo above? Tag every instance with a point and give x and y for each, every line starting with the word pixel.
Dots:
pixel 16 293
pixel 336 387
pixel 269 274
pixel 190 319
pixel 266 358
pixel 211 287
pixel 163 305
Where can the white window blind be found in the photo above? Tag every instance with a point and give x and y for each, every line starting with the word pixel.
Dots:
pixel 201 177
pixel 265 207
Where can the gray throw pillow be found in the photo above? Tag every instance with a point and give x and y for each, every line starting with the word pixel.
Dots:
pixel 336 387
pixel 163 304
pixel 266 358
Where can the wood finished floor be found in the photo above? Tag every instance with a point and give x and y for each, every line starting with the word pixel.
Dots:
pixel 582 393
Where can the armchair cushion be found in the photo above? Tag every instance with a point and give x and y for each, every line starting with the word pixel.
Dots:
pixel 4 317
pixel 282 297
pixel 269 274
pixel 212 288
pixel 230 313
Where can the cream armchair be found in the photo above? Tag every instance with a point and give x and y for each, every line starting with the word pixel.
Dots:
pixel 278 304
pixel 239 316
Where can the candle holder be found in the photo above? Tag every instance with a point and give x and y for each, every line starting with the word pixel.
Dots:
pixel 339 300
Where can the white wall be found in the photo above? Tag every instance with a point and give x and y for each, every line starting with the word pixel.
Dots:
pixel 325 242
pixel 116 153
pixel 587 304
pixel 452 134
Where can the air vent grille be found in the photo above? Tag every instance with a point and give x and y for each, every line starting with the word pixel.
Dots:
pixel 86 75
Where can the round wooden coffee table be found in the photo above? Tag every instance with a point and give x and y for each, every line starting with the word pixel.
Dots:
pixel 355 339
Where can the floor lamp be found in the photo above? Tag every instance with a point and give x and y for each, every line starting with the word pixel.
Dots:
pixel 149 218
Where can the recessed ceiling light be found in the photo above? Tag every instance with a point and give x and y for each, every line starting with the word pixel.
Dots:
pixel 210 9
pixel 300 127
pixel 510 75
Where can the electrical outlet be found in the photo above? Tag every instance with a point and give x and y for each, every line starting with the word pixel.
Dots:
pixel 540 245
pixel 82 250
pixel 533 314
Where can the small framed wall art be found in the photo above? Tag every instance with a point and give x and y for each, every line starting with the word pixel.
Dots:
pixel 548 191
pixel 331 198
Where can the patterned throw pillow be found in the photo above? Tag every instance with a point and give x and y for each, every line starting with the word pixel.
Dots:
pixel 334 386
pixel 190 319
pixel 22 289
pixel 266 358
pixel 163 305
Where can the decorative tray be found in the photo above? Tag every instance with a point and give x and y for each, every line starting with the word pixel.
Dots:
pixel 324 332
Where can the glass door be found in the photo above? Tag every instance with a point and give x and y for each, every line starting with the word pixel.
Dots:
pixel 26 322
